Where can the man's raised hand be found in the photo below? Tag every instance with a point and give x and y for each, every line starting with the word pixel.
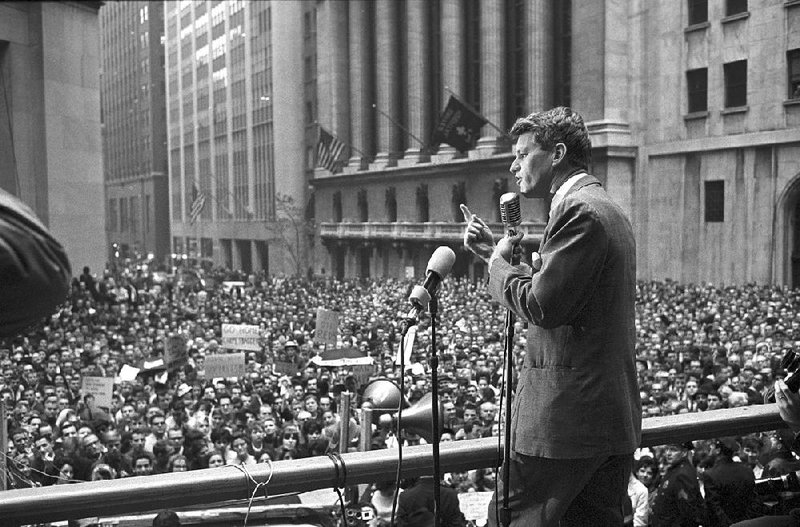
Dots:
pixel 478 237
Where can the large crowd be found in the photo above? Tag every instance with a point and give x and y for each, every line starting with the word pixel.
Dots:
pixel 699 348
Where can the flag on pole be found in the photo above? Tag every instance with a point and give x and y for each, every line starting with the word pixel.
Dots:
pixel 329 150
pixel 198 202
pixel 459 126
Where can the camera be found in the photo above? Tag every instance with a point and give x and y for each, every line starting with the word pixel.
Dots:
pixel 786 483
pixel 790 363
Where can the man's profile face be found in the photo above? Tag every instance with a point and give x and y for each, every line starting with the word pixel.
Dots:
pixel 532 167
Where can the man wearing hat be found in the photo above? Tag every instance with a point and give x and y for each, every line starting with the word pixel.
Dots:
pixel 678 500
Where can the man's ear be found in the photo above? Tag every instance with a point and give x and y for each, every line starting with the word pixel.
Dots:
pixel 559 153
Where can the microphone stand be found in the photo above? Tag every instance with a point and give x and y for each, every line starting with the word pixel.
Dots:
pixel 505 512
pixel 433 307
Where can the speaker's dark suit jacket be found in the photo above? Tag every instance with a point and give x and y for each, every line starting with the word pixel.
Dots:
pixel 577 395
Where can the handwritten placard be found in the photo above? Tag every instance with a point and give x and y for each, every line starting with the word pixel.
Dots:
pixel 362 373
pixel 224 365
pixel 327 327
pixel 475 506
pixel 241 337
pixel 101 388
pixel 175 352
pixel 285 367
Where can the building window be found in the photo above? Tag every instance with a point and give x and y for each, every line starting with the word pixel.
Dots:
pixel 734 7
pixel 698 11
pixel 562 49
pixel 337 206
pixel 363 206
pixel 736 84
pixel 112 215
pixel 715 201
pixel 391 204
pixel 472 52
pixel 423 210
pixel 793 63
pixel 697 86
pixel 457 197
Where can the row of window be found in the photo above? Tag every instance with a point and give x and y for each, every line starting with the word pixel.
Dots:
pixel 735 81
pixel 698 10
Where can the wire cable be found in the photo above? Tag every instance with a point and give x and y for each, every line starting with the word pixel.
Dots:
pixel 256 486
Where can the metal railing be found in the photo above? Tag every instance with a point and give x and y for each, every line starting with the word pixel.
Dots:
pixel 210 486
pixel 409 231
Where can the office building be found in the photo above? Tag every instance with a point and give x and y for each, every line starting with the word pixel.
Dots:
pixel 134 129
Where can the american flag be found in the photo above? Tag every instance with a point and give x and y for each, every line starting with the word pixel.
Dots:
pixel 198 202
pixel 329 150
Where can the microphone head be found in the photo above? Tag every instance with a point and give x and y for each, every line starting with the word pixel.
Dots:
pixel 510 213
pixel 441 261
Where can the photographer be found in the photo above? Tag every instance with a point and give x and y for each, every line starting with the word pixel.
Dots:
pixel 789 407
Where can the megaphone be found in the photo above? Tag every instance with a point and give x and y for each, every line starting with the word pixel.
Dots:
pixel 417 419
pixel 383 397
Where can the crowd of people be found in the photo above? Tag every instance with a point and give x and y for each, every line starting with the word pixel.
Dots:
pixel 699 348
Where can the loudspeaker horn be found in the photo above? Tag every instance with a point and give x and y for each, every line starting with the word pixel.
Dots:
pixel 418 418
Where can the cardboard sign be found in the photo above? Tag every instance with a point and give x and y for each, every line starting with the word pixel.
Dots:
pixel 409 341
pixel 128 373
pixel 241 337
pixel 409 271
pixel 327 327
pixel 102 388
pixel 175 352
pixel 362 373
pixel 285 367
pixel 224 365
pixel 475 506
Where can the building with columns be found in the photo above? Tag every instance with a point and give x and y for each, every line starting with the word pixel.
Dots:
pixel 693 108
pixel 134 129
pixel 241 100
pixel 50 141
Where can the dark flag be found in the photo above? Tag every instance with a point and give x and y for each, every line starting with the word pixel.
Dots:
pixel 458 126
pixel 329 150
pixel 198 202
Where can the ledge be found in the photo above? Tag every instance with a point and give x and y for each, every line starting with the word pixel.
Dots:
pixel 735 17
pixel 698 27
pixel 734 110
pixel 791 3
pixel 695 115
pixel 792 102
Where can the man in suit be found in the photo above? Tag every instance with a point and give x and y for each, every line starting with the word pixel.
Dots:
pixel 577 411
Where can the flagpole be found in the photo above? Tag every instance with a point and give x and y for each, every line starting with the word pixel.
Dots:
pixel 473 110
pixel 424 146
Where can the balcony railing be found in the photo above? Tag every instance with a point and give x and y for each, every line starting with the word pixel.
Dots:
pixel 419 231
pixel 211 486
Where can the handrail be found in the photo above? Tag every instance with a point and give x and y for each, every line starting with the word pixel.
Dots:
pixel 209 486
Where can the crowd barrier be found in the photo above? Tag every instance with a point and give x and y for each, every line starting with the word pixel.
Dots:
pixel 213 486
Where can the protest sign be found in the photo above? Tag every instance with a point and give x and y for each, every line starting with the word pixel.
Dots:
pixel 285 367
pixel 347 361
pixel 128 373
pixel 241 337
pixel 175 352
pixel 409 341
pixel 475 506
pixel 362 373
pixel 224 365
pixel 327 327
pixel 101 388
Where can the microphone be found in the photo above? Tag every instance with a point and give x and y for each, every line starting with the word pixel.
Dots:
pixel 511 216
pixel 439 266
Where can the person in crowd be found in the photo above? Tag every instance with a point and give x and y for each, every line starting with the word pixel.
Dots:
pixel 578 414
pixel 729 486
pixel 678 500
pixel 415 505
pixel 639 515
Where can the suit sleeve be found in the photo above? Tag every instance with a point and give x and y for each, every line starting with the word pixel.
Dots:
pixel 572 259
pixel 34 269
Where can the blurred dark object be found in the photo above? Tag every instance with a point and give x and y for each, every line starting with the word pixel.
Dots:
pixel 791 364
pixel 34 269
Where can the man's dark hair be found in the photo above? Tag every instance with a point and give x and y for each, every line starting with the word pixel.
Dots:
pixel 558 125
pixel 166 519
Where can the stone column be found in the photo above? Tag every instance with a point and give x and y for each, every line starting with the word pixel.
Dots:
pixel 453 59
pixel 418 45
pixel 361 87
pixel 493 72
pixel 333 78
pixel 387 96
pixel 539 55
